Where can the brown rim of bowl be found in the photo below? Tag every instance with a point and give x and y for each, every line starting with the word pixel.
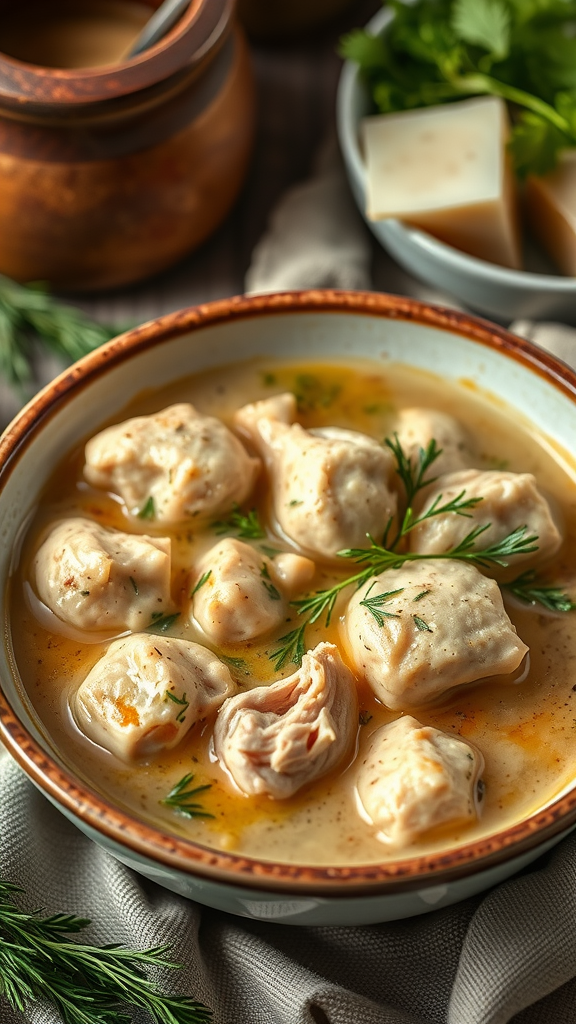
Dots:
pixel 184 855
pixel 25 85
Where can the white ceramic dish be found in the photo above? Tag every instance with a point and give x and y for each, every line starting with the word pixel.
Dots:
pixel 318 325
pixel 506 294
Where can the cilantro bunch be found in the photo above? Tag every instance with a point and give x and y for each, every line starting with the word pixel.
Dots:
pixel 438 51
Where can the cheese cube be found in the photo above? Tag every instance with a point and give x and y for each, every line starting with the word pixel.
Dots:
pixel 446 170
pixel 551 211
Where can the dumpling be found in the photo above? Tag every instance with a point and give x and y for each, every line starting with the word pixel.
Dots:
pixel 241 593
pixel 173 465
pixel 415 429
pixel 413 778
pixel 330 487
pixel 509 501
pixel 420 630
pixel 275 739
pixel 98 579
pixel 147 692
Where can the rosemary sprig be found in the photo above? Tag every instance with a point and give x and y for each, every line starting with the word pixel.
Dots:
pixel 247 526
pixel 413 477
pixel 203 579
pixel 182 799
pixel 86 984
pixel 527 589
pixel 290 648
pixel 28 310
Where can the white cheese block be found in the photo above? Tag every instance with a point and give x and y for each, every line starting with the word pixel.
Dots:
pixel 446 170
pixel 551 211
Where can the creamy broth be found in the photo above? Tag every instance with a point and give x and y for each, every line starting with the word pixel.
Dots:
pixel 72 35
pixel 525 725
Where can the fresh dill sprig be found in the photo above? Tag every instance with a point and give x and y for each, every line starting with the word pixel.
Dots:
pixel 148 511
pixel 184 704
pixel 86 984
pixel 27 311
pixel 374 604
pixel 290 648
pixel 272 591
pixel 163 622
pixel 247 526
pixel 183 799
pixel 413 477
pixel 527 589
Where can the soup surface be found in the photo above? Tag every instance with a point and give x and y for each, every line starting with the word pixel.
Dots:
pixel 524 723
pixel 72 35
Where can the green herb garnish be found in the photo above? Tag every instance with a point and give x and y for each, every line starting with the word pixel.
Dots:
pixel 134 585
pixel 438 51
pixel 421 625
pixel 290 648
pixel 374 604
pixel 527 589
pixel 237 663
pixel 28 310
pixel 163 622
pixel 148 511
pixel 86 984
pixel 184 704
pixel 244 525
pixel 311 393
pixel 423 593
pixel 203 579
pixel 273 593
pixel 182 799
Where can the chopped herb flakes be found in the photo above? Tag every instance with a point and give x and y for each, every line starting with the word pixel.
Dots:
pixel 148 511
pixel 244 525
pixel 271 590
pixel 311 393
pixel 163 622
pixel 203 579
pixel 423 593
pixel 134 585
pixel 421 625
pixel 185 704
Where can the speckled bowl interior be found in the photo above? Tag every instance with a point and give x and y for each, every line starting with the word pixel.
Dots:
pixel 310 325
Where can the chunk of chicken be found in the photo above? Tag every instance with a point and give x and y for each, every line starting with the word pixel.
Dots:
pixel 175 464
pixel 508 501
pixel 330 487
pixel 98 579
pixel 245 594
pixel 418 631
pixel 147 692
pixel 414 778
pixel 415 429
pixel 275 739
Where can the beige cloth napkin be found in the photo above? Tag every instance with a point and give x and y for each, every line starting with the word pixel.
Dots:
pixel 505 956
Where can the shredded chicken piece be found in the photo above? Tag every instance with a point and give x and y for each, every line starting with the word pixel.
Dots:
pixel 99 579
pixel 446 626
pixel 172 465
pixel 330 487
pixel 244 594
pixel 275 739
pixel 416 427
pixel 413 778
pixel 147 692
pixel 509 501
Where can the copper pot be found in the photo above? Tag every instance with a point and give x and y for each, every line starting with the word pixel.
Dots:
pixel 109 175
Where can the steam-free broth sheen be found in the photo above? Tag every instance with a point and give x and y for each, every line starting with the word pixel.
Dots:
pixel 524 725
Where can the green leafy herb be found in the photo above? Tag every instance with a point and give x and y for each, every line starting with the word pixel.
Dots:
pixel 85 593
pixel 374 604
pixel 27 311
pixel 163 622
pixel 527 588
pixel 311 393
pixel 273 593
pixel 148 511
pixel 203 579
pixel 438 51
pixel 294 502
pixel 182 799
pixel 421 625
pixel 184 704
pixel 237 663
pixel 413 476
pixel 423 593
pixel 267 550
pixel 290 648
pixel 134 585
pixel 244 525
pixel 85 984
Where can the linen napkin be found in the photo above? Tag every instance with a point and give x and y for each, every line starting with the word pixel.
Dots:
pixel 505 956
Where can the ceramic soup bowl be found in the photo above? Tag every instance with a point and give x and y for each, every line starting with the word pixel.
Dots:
pixel 319 325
